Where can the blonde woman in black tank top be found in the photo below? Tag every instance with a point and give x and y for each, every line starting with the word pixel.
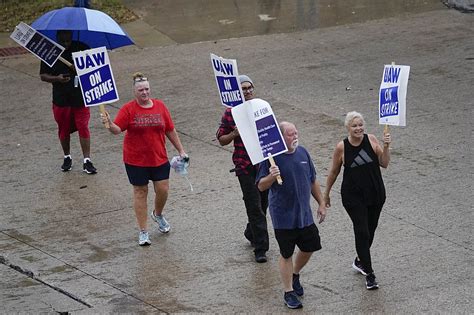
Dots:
pixel 362 190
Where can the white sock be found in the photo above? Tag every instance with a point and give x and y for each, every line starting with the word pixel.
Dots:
pixel 68 156
pixel 86 159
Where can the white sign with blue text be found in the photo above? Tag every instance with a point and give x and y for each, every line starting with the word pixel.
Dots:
pixel 226 74
pixel 38 44
pixel 392 95
pixel 96 77
pixel 259 130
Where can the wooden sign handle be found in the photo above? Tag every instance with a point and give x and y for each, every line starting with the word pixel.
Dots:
pixel 102 110
pixel 272 163
pixel 67 63
pixel 386 129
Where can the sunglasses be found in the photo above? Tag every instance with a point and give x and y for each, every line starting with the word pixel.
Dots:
pixel 140 79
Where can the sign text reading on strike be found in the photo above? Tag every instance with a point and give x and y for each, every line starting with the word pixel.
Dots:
pixel 99 88
pixel 389 102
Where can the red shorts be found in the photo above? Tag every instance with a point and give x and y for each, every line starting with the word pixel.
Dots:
pixel 72 119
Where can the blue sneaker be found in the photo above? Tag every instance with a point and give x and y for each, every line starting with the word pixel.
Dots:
pixel 291 300
pixel 143 238
pixel 297 285
pixel 163 225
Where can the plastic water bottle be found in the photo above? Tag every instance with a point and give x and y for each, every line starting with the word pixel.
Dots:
pixel 180 166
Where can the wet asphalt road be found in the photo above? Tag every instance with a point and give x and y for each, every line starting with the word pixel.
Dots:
pixel 68 240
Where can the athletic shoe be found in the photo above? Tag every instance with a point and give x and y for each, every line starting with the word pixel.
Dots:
pixel 260 257
pixel 67 165
pixel 357 265
pixel 297 285
pixel 143 238
pixel 370 282
pixel 163 225
pixel 88 167
pixel 291 300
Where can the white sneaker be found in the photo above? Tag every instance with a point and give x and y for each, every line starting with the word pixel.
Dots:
pixel 163 225
pixel 143 238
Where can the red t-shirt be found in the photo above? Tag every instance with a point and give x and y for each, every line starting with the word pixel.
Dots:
pixel 144 142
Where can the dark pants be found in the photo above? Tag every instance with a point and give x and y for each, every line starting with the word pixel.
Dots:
pixel 365 220
pixel 256 204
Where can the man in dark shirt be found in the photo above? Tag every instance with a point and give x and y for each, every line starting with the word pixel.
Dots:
pixel 256 202
pixel 69 110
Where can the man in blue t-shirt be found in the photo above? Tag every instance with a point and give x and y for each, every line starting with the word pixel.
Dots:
pixel 290 210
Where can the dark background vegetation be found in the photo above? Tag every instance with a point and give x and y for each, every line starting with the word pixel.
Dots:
pixel 12 12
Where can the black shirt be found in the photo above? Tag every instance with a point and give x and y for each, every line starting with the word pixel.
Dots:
pixel 362 182
pixel 65 94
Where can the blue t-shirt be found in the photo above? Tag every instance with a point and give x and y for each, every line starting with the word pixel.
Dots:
pixel 289 203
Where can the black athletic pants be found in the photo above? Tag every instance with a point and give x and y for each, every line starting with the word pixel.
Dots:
pixel 364 220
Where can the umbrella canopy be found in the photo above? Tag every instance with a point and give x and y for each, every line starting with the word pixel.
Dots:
pixel 92 27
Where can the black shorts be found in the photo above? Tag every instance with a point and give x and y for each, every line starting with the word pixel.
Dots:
pixel 307 239
pixel 140 175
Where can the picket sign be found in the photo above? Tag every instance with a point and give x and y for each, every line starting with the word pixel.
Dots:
pixel 392 96
pixel 96 77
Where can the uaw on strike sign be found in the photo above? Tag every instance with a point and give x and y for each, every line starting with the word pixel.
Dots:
pixel 226 74
pixel 96 77
pixel 392 95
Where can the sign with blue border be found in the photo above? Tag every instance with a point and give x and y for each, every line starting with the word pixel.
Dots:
pixel 95 76
pixel 226 74
pixel 392 95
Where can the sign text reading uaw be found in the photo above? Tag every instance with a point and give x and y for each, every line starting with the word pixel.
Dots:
pixel 392 95
pixel 96 77
pixel 226 73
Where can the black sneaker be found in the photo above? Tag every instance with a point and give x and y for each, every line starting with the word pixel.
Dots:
pixel 291 300
pixel 297 285
pixel 357 265
pixel 67 165
pixel 260 257
pixel 370 282
pixel 89 168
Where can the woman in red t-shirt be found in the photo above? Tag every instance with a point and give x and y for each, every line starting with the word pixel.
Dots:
pixel 147 122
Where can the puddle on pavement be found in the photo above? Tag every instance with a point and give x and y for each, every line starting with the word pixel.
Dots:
pixel 187 21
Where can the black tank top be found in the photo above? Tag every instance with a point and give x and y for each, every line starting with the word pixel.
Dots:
pixel 362 182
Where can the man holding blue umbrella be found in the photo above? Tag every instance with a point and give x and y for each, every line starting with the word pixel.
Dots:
pixel 89 29
pixel 69 110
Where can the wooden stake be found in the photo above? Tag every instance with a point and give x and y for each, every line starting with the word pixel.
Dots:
pixel 67 63
pixel 272 163
pixel 386 130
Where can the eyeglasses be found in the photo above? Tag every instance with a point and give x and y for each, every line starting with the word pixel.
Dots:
pixel 247 89
pixel 140 79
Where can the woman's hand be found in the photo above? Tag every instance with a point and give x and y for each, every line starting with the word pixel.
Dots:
pixel 105 117
pixel 387 139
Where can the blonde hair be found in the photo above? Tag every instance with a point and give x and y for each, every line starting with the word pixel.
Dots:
pixel 351 116
pixel 138 77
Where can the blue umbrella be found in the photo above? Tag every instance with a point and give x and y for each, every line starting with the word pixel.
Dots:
pixel 92 27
